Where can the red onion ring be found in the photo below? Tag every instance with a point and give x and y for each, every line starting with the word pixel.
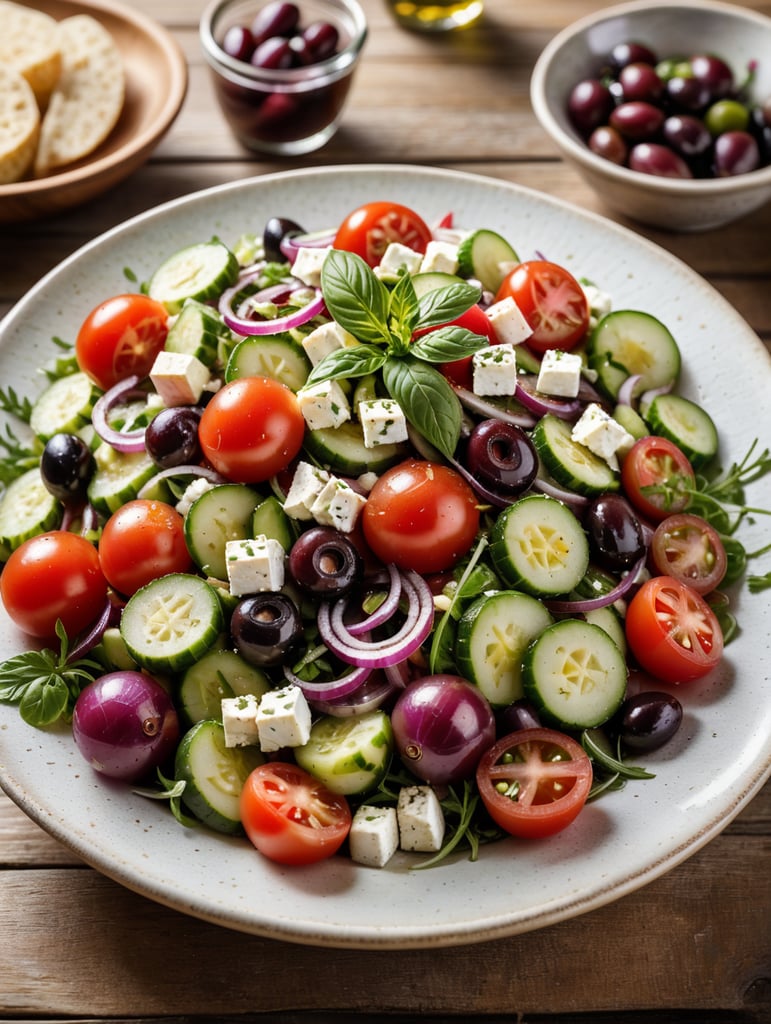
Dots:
pixel 110 616
pixel 330 689
pixel 187 470
pixel 129 441
pixel 476 403
pixel 562 494
pixel 291 244
pixel 565 409
pixel 626 394
pixel 368 697
pixel 387 607
pixel 282 323
pixel 592 603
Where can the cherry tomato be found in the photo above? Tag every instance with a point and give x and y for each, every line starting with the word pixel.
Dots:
pixel 370 229
pixel 551 300
pixel 459 371
pixel 290 816
pixel 672 631
pixel 652 462
pixel 534 782
pixel 420 516
pixel 120 337
pixel 689 548
pixel 142 540
pixel 53 576
pixel 251 429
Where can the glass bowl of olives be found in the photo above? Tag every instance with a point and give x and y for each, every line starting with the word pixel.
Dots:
pixel 664 109
pixel 282 71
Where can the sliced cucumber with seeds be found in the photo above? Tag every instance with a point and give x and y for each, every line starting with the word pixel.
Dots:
pixel 218 674
pixel 201 271
pixel 276 356
pixel 214 775
pixel 575 675
pixel 608 618
pixel 431 280
pixel 118 478
pixel 349 755
pixel 539 546
pixel 171 622
pixel 631 421
pixel 197 331
pixel 222 513
pixel 486 256
pixel 686 424
pixel 342 450
pixel 625 343
pixel 493 634
pixel 64 407
pixel 572 465
pixel 271 520
pixel 27 508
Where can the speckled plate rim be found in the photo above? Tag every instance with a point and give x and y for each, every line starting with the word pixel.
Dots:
pixel 704 777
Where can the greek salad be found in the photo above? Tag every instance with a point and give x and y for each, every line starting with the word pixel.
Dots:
pixel 368 538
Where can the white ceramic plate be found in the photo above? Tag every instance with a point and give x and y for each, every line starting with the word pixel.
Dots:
pixel 718 761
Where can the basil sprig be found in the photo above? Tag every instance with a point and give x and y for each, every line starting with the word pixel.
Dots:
pixel 384 321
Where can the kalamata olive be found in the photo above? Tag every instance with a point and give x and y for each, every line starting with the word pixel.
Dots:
pixel 321 38
pixel 614 531
pixel 760 127
pixel 686 134
pixel 266 628
pixel 589 105
pixel 631 53
pixel 648 720
pixel 653 158
pixel 637 119
pixel 275 19
pixel 276 230
pixel 502 456
pixel 639 81
pixel 171 437
pixel 66 467
pixel 520 714
pixel 736 153
pixel 324 561
pixel 713 73
pixel 238 43
pixel 275 53
pixel 687 93
pixel 607 142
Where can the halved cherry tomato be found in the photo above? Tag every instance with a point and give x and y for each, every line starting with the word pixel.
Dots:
pixel 369 230
pixel 251 429
pixel 551 300
pixel 689 548
pixel 656 462
pixel 421 516
pixel 290 816
pixel 55 575
pixel 459 371
pixel 534 782
pixel 672 631
pixel 120 337
pixel 140 541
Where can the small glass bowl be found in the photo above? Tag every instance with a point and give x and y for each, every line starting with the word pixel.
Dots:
pixel 284 112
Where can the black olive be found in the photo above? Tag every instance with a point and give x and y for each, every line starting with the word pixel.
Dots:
pixel 266 628
pixel 66 467
pixel 648 720
pixel 171 437
pixel 502 456
pixel 325 562
pixel 276 230
pixel 614 532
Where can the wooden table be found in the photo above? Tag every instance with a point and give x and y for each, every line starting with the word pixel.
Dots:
pixel 694 945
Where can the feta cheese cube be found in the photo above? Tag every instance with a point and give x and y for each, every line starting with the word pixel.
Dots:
pixel 494 370
pixel 307 484
pixel 560 373
pixel 374 835
pixel 326 338
pixel 283 719
pixel 191 493
pixel 509 323
pixel 396 258
pixel 179 378
pixel 239 720
pixel 324 405
pixel 441 257
pixel 308 263
pixel 254 565
pixel 420 819
pixel 602 434
pixel 338 505
pixel 382 421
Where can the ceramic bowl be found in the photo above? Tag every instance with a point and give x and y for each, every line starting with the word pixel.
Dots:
pixel 736 34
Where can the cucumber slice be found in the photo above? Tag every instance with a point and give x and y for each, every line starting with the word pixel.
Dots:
pixel 277 357
pixel 627 342
pixel 493 634
pixel 608 618
pixel 222 513
pixel 201 271
pixel 349 755
pixel 539 546
pixel 214 775
pixel 631 421
pixel 571 464
pixel 270 519
pixel 118 478
pixel 64 407
pixel 197 332
pixel 686 424
pixel 168 624
pixel 112 651
pixel 342 450
pixel 27 508
pixel 218 674
pixel 486 256
pixel 430 280
pixel 575 675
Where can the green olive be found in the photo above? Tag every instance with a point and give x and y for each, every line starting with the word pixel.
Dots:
pixel 726 116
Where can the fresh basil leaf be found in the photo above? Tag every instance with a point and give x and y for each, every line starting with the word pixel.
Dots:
pixel 446 344
pixel 45 700
pixel 355 298
pixel 403 310
pixel 427 399
pixel 442 305
pixel 356 361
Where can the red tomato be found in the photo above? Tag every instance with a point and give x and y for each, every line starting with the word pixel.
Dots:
pixel 672 631
pixel 459 371
pixel 251 429
pixel 142 540
pixel 551 300
pixel 534 782
pixel 122 336
pixel 53 576
pixel 690 549
pixel 652 462
pixel 370 229
pixel 290 816
pixel 420 516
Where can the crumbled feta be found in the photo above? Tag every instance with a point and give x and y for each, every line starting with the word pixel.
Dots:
pixel 254 565
pixel 308 263
pixel 179 378
pixel 283 719
pixel 374 835
pixel 440 257
pixel 602 434
pixel 508 322
pixel 420 818
pixel 367 481
pixel 307 484
pixel 494 370
pixel 338 505
pixel 382 422
pixel 397 258
pixel 191 493
pixel 239 720
pixel 323 405
pixel 326 338
pixel 559 373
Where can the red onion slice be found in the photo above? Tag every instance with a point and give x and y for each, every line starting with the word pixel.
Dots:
pixel 565 409
pixel 477 404
pixel 129 441
pixel 110 616
pixel 372 693
pixel 291 244
pixel 186 470
pixel 282 323
pixel 592 603
pixel 330 689
pixel 385 609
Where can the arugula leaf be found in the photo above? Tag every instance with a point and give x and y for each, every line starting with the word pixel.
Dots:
pixel 609 763
pixel 356 361
pixel 441 305
pixel 447 344
pixel 355 297
pixel 428 401
pixel 11 403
